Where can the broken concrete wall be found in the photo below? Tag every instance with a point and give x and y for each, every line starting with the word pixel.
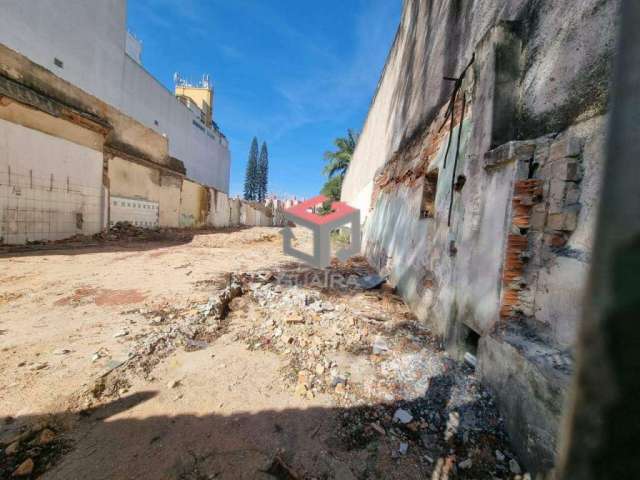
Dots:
pixel 479 193
pixel 437 39
pixel 50 187
pixel 234 218
pixel 220 212
pixel 131 179
pixel 255 214
pixel 194 204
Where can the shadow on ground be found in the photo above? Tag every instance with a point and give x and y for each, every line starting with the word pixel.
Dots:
pixel 325 443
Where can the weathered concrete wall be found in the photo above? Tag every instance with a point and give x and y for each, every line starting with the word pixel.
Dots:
pixel 564 65
pixel 132 180
pixel 252 213
pixel 221 211
pixel 89 37
pixel 480 206
pixel 194 204
pixel 50 188
pixel 235 205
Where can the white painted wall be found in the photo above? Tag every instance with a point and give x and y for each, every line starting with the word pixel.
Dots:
pixel 89 37
pixel 46 183
pixel 141 213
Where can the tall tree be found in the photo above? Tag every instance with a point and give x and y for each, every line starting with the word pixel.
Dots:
pixel 338 162
pixel 251 174
pixel 263 172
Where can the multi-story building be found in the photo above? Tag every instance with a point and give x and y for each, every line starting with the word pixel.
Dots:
pixel 88 137
pixel 87 44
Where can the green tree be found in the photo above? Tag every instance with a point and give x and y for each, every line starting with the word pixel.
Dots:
pixel 251 174
pixel 332 187
pixel 337 163
pixel 263 173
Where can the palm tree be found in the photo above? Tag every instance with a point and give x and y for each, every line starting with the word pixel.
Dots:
pixel 338 162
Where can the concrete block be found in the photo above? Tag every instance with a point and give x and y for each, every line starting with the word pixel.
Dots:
pixel 564 221
pixel 538 218
pixel 557 190
pixel 567 169
pixel 572 195
pixel 510 151
pixel 567 147
pixel 529 379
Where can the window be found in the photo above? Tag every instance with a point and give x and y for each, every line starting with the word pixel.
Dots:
pixel 58 63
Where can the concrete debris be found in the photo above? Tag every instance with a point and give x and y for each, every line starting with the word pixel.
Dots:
pixel 402 416
pixel 121 333
pixel 379 346
pixel 371 281
pixel 391 373
pixel 30 450
pixel 389 376
pixel 12 448
pixel 61 351
pixel 25 468
pixel 514 466
pixel 500 456
pixel 376 426
pixel 470 359
pixel 46 436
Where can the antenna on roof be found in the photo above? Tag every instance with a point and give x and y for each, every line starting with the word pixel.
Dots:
pixel 179 81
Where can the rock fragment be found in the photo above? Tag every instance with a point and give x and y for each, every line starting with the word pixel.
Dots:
pixel 25 468
pixel 402 416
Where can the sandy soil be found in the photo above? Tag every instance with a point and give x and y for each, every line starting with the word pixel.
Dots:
pixel 114 366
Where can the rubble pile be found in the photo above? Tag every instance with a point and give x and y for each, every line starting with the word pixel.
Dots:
pixel 126 230
pixel 191 327
pixel 400 391
pixel 31 450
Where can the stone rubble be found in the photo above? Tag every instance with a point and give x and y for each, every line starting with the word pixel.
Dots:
pixel 359 345
pixel 364 348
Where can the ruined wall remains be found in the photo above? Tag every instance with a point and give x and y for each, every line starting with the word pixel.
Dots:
pixel 84 44
pixel 71 164
pixel 50 188
pixel 130 179
pixel 479 190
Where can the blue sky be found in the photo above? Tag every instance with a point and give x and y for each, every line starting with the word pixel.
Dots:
pixel 294 73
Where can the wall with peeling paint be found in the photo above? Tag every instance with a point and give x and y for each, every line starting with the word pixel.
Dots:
pixel 493 254
pixel 194 204
pixel 133 180
pixel 50 188
pixel 89 39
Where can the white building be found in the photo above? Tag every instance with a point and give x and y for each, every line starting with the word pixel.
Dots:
pixel 86 43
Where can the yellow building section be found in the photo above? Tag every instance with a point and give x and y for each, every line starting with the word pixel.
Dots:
pixel 202 98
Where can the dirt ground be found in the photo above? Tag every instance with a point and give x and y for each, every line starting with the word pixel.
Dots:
pixel 212 355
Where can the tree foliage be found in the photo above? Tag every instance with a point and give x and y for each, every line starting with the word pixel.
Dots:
pixel 263 173
pixel 338 163
pixel 251 174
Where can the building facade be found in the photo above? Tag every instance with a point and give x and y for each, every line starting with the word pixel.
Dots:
pixel 88 138
pixel 87 44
